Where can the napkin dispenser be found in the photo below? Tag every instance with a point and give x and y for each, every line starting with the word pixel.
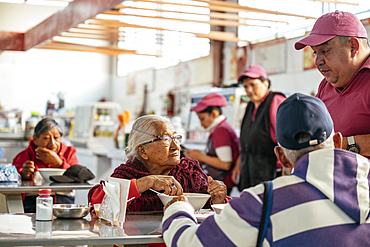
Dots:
pixel 113 206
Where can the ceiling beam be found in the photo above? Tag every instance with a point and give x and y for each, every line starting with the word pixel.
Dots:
pixel 111 50
pixel 211 14
pixel 11 41
pixel 222 36
pixel 222 6
pixel 76 12
pixel 213 22
pixel 250 9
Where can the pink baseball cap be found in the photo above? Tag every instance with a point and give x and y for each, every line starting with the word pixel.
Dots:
pixel 212 99
pixel 253 71
pixel 333 24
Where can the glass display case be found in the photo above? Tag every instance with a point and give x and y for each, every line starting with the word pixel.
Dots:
pixel 95 125
pixel 11 124
pixel 233 111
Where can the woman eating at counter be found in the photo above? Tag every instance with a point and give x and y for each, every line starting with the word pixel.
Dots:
pixel 45 150
pixel 153 162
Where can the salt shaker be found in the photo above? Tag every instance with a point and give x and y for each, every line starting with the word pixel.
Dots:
pixel 44 205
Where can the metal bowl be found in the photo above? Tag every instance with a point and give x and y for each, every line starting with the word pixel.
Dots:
pixel 70 211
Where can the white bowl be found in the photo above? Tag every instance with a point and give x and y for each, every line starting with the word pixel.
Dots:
pixel 197 200
pixel 218 207
pixel 47 172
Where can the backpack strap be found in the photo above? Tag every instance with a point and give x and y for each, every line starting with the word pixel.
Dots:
pixel 266 211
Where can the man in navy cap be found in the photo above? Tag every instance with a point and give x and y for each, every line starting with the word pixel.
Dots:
pixel 325 201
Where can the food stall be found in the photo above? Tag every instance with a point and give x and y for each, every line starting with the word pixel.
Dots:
pixel 93 136
pixel 15 131
pixel 12 139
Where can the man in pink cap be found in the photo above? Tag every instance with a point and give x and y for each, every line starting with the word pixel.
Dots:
pixel 339 41
pixel 257 161
pixel 222 148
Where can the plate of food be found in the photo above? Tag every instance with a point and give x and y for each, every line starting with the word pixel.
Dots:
pixel 202 214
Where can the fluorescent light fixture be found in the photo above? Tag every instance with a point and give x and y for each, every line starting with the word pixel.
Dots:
pixel 11 1
pixel 48 3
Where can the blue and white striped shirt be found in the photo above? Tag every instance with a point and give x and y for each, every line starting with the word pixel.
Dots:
pixel 325 202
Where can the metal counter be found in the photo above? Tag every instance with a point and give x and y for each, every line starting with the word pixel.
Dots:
pixel 23 230
pixel 11 148
pixel 12 192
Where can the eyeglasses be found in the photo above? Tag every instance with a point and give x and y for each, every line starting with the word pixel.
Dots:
pixel 166 140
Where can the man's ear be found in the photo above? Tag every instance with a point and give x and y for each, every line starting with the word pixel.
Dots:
pixel 142 153
pixel 355 46
pixel 338 140
pixel 283 159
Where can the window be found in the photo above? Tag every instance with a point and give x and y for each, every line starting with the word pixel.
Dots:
pixel 162 34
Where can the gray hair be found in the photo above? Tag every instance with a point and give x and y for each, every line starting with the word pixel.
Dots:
pixel 148 124
pixel 294 155
pixel 46 125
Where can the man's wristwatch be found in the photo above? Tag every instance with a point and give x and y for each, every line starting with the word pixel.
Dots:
pixel 352 146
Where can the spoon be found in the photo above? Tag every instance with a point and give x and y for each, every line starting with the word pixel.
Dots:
pixel 158 193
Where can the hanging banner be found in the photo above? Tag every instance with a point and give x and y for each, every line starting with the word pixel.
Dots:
pixel 238 61
pixel 308 58
pixel 271 55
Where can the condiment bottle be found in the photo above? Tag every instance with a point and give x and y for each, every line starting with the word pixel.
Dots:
pixel 31 124
pixel 44 205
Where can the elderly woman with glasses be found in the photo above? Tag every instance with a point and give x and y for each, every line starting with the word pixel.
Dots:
pixel 153 162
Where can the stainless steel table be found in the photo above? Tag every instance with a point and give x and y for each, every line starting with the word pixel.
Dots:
pixel 140 228
pixel 11 193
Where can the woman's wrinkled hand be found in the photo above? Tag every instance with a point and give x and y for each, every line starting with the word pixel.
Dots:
pixel 28 169
pixel 217 190
pixel 176 199
pixel 160 182
pixel 49 156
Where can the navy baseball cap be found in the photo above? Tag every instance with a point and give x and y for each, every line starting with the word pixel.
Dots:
pixel 302 113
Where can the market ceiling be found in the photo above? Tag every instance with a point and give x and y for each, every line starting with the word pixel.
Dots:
pixel 79 20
